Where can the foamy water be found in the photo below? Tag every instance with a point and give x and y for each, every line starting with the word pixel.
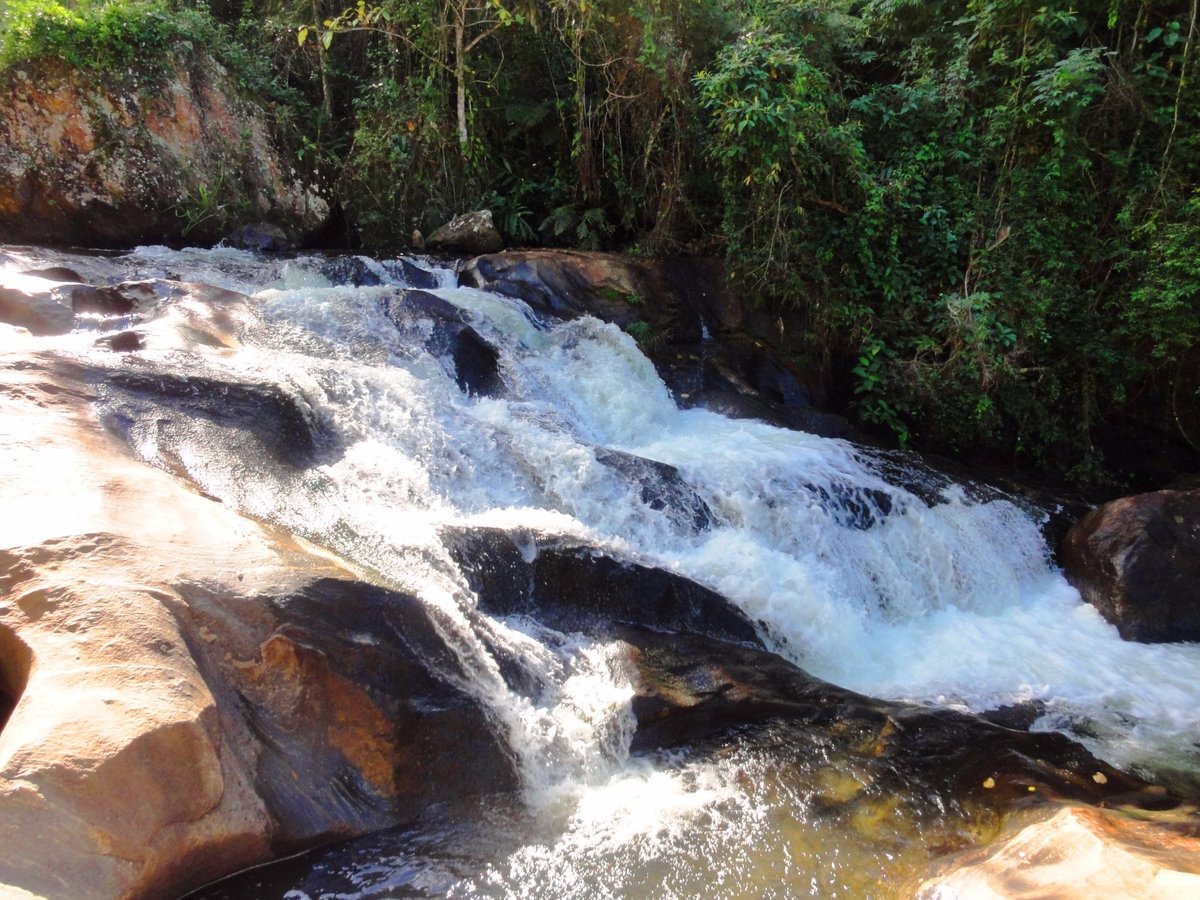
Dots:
pixel 856 580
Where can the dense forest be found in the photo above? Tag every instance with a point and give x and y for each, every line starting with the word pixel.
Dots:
pixel 984 213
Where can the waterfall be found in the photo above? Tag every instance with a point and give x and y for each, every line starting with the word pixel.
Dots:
pixel 941 595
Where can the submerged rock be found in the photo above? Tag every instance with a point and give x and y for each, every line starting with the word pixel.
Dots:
pixel 1137 560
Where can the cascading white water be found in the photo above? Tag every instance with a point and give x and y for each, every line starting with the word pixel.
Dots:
pixel 858 581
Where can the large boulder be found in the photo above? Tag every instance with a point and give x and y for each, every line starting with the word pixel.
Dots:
pixel 1137 560
pixel 142 155
pixel 470 233
pixel 184 692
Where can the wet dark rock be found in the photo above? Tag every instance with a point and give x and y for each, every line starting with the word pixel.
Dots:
pixel 476 363
pixel 121 342
pixel 412 274
pixel 106 301
pixel 263 237
pixel 566 284
pixel 281 422
pixel 42 313
pixel 1137 560
pixel 350 270
pixel 662 488
pixel 692 687
pixel 852 506
pixel 686 321
pixel 350 700
pixel 408 308
pixel 572 586
pixel 1020 716
pixel 702 672
pixel 470 233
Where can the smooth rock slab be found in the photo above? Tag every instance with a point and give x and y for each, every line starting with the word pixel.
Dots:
pixel 1080 854
pixel 194 692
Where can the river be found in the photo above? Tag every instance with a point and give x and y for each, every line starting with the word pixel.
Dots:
pixel 914 589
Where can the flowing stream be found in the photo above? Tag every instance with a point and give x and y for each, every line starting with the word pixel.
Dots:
pixel 941 595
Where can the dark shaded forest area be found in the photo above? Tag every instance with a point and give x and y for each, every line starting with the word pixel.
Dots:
pixel 983 215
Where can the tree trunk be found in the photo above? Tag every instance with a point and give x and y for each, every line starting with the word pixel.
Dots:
pixel 460 83
pixel 326 87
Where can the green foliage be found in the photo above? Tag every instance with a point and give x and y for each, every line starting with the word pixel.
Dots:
pixel 988 210
pixel 92 35
pixel 983 212
pixel 644 333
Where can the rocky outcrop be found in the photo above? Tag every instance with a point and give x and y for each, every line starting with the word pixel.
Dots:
pixel 1137 560
pixel 140 156
pixel 470 233
pixel 1082 853
pixel 708 348
pixel 442 327
pixel 702 670
pixel 191 692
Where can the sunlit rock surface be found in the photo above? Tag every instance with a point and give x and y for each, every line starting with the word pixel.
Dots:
pixel 1083 853
pixel 187 701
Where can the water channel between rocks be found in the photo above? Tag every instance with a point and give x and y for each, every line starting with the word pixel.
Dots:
pixel 401 418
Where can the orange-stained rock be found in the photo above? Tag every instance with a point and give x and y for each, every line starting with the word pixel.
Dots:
pixel 1082 853
pixel 139 157
pixel 186 688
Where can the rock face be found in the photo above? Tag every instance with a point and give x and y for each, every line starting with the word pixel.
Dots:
pixel 1082 853
pixel 701 670
pixel 709 350
pixel 469 233
pixel 143 158
pixel 476 362
pixel 1137 560
pixel 179 696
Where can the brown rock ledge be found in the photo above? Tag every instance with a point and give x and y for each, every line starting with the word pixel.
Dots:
pixel 160 651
